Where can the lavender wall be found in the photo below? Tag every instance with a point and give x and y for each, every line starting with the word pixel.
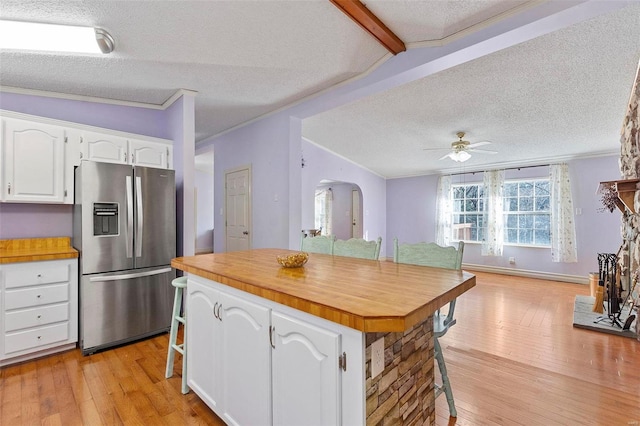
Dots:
pixel 35 220
pixel 411 207
pixel 263 145
pixel 321 164
pixel 45 220
pixel 142 121
pixel 283 191
pixel 204 226
pixel 411 217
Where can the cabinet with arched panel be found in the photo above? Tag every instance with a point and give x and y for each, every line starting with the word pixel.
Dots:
pixel 246 351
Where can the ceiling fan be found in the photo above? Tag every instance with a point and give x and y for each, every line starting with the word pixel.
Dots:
pixel 461 148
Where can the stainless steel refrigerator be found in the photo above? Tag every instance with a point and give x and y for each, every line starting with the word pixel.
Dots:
pixel 124 227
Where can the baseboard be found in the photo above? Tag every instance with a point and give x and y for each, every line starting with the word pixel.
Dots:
pixel 577 279
pixel 204 250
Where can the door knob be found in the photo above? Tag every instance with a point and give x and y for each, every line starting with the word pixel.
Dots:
pixel 246 232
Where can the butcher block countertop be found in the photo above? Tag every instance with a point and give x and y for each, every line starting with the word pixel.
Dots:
pixel 36 249
pixel 367 295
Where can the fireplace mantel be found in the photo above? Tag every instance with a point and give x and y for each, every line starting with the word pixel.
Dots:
pixel 626 190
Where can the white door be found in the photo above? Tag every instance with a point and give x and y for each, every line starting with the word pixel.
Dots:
pixel 247 362
pixel 356 217
pixel 238 208
pixel 33 162
pixel 305 374
pixel 203 340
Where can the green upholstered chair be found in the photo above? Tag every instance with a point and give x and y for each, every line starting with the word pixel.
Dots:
pixel 431 254
pixel 357 247
pixel 322 244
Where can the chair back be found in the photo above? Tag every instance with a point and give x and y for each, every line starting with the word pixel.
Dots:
pixel 358 247
pixel 428 254
pixel 322 244
pixel 431 254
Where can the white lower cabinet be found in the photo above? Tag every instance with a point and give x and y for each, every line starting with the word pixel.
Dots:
pixel 255 362
pixel 39 308
pixel 204 374
pixel 228 354
pixel 306 378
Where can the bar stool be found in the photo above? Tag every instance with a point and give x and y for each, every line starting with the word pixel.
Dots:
pixel 180 284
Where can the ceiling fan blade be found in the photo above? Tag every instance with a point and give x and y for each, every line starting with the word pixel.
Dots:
pixel 435 149
pixel 474 145
pixel 483 151
pixel 445 156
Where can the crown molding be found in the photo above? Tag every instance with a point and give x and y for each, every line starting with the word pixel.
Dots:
pixel 43 93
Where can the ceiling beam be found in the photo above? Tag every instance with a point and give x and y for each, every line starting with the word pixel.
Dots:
pixel 359 13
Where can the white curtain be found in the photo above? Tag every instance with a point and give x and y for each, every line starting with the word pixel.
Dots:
pixel 444 211
pixel 493 213
pixel 563 230
pixel 324 207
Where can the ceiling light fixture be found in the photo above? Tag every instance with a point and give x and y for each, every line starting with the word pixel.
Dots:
pixel 54 38
pixel 460 156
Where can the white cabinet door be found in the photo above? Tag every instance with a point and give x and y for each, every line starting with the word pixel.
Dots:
pixel 247 362
pixel 305 374
pixel 150 154
pixel 203 343
pixel 104 148
pixel 32 162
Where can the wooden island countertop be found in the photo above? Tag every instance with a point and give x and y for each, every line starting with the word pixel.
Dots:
pixel 36 249
pixel 366 295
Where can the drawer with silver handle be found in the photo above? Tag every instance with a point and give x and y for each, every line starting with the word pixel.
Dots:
pixel 32 338
pixel 36 296
pixel 40 273
pixel 35 317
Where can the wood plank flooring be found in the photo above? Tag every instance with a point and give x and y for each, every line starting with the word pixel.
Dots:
pixel 513 359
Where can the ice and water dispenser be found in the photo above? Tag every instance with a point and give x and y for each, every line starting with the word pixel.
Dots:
pixel 105 219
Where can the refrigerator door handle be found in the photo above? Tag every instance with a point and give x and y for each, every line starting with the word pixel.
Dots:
pixel 140 216
pixel 129 217
pixel 129 276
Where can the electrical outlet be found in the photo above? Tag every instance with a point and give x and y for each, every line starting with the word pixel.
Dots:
pixel 377 357
pixel 512 260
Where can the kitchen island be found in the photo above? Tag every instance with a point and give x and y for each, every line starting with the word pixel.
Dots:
pixel 268 344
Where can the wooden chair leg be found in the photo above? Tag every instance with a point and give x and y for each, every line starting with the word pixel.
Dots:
pixel 185 387
pixel 446 385
pixel 173 335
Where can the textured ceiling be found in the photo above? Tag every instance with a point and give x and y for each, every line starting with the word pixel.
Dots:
pixel 249 58
pixel 244 58
pixel 562 95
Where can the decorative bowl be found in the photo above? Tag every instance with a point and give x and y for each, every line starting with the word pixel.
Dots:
pixel 293 260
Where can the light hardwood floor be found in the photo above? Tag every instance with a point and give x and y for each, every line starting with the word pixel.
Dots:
pixel 513 359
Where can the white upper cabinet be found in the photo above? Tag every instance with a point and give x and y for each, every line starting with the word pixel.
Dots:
pixel 38 155
pixel 103 147
pixel 32 162
pixel 150 154
pixel 108 148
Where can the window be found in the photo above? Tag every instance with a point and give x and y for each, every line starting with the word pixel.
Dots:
pixel 468 221
pixel 526 206
pixel 527 216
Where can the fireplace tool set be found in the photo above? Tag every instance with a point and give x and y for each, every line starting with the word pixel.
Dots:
pixel 609 283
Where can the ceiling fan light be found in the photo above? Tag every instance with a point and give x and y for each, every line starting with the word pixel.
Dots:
pixel 460 156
